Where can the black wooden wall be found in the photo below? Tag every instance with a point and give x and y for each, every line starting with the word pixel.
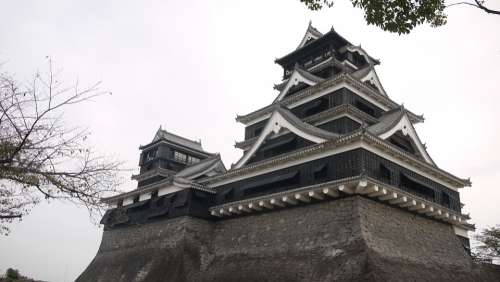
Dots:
pixel 279 145
pixel 341 125
pixel 334 99
pixel 347 164
pixel 185 202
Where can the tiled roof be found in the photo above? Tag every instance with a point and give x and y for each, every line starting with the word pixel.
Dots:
pixel 162 134
pixel 306 127
pixel 363 72
pixel 387 121
pixel 184 177
pixel 202 166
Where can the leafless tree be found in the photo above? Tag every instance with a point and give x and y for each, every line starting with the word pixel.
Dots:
pixel 40 156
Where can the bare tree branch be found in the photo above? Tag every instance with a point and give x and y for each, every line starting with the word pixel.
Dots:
pixel 489 11
pixel 40 157
pixel 477 4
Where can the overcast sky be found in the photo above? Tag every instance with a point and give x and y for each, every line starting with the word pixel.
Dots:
pixel 191 66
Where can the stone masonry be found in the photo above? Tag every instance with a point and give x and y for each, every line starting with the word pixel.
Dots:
pixel 349 239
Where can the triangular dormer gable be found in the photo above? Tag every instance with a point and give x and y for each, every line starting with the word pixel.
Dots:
pixel 369 75
pixel 362 52
pixel 207 166
pixel 298 76
pixel 398 121
pixel 311 34
pixel 284 119
pixel 158 135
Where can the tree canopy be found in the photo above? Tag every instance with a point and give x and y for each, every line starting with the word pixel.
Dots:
pixel 40 156
pixel 403 15
pixel 489 244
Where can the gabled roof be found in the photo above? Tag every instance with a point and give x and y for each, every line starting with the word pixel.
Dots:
pixel 387 121
pixel 399 120
pixel 352 48
pixel 311 33
pixel 358 87
pixel 318 36
pixel 202 167
pixel 283 118
pixel 185 178
pixel 298 75
pixel 368 74
pixel 361 138
pixel 321 117
pixel 162 134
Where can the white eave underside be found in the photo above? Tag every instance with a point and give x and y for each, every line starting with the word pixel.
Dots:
pixel 365 186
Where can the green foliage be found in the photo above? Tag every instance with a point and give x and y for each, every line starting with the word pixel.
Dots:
pixel 12 274
pixel 401 16
pixel 316 5
pixel 489 247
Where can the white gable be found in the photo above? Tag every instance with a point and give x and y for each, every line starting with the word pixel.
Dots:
pixel 405 126
pixel 311 33
pixel 274 125
pixel 360 51
pixel 372 77
pixel 294 80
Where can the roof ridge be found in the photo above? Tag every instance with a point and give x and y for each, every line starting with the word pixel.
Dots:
pixel 176 135
pixel 305 126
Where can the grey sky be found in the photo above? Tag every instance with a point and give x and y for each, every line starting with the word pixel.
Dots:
pixel 192 66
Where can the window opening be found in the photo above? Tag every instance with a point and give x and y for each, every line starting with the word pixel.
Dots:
pixel 180 157
pixel 417 187
pixel 384 172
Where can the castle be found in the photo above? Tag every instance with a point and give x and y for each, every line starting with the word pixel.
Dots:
pixel 334 185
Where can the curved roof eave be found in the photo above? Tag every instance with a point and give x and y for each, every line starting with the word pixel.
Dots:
pixel 283 118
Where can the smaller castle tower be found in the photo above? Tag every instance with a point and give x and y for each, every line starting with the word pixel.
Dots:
pixel 170 167
pixel 166 155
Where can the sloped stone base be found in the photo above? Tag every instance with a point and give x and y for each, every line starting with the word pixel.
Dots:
pixel 349 239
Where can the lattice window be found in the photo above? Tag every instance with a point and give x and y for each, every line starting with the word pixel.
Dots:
pixel 192 160
pixel 180 157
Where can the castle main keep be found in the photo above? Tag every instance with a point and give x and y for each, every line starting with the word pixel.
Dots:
pixel 334 184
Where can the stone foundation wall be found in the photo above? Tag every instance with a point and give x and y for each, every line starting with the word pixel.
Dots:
pixel 349 239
